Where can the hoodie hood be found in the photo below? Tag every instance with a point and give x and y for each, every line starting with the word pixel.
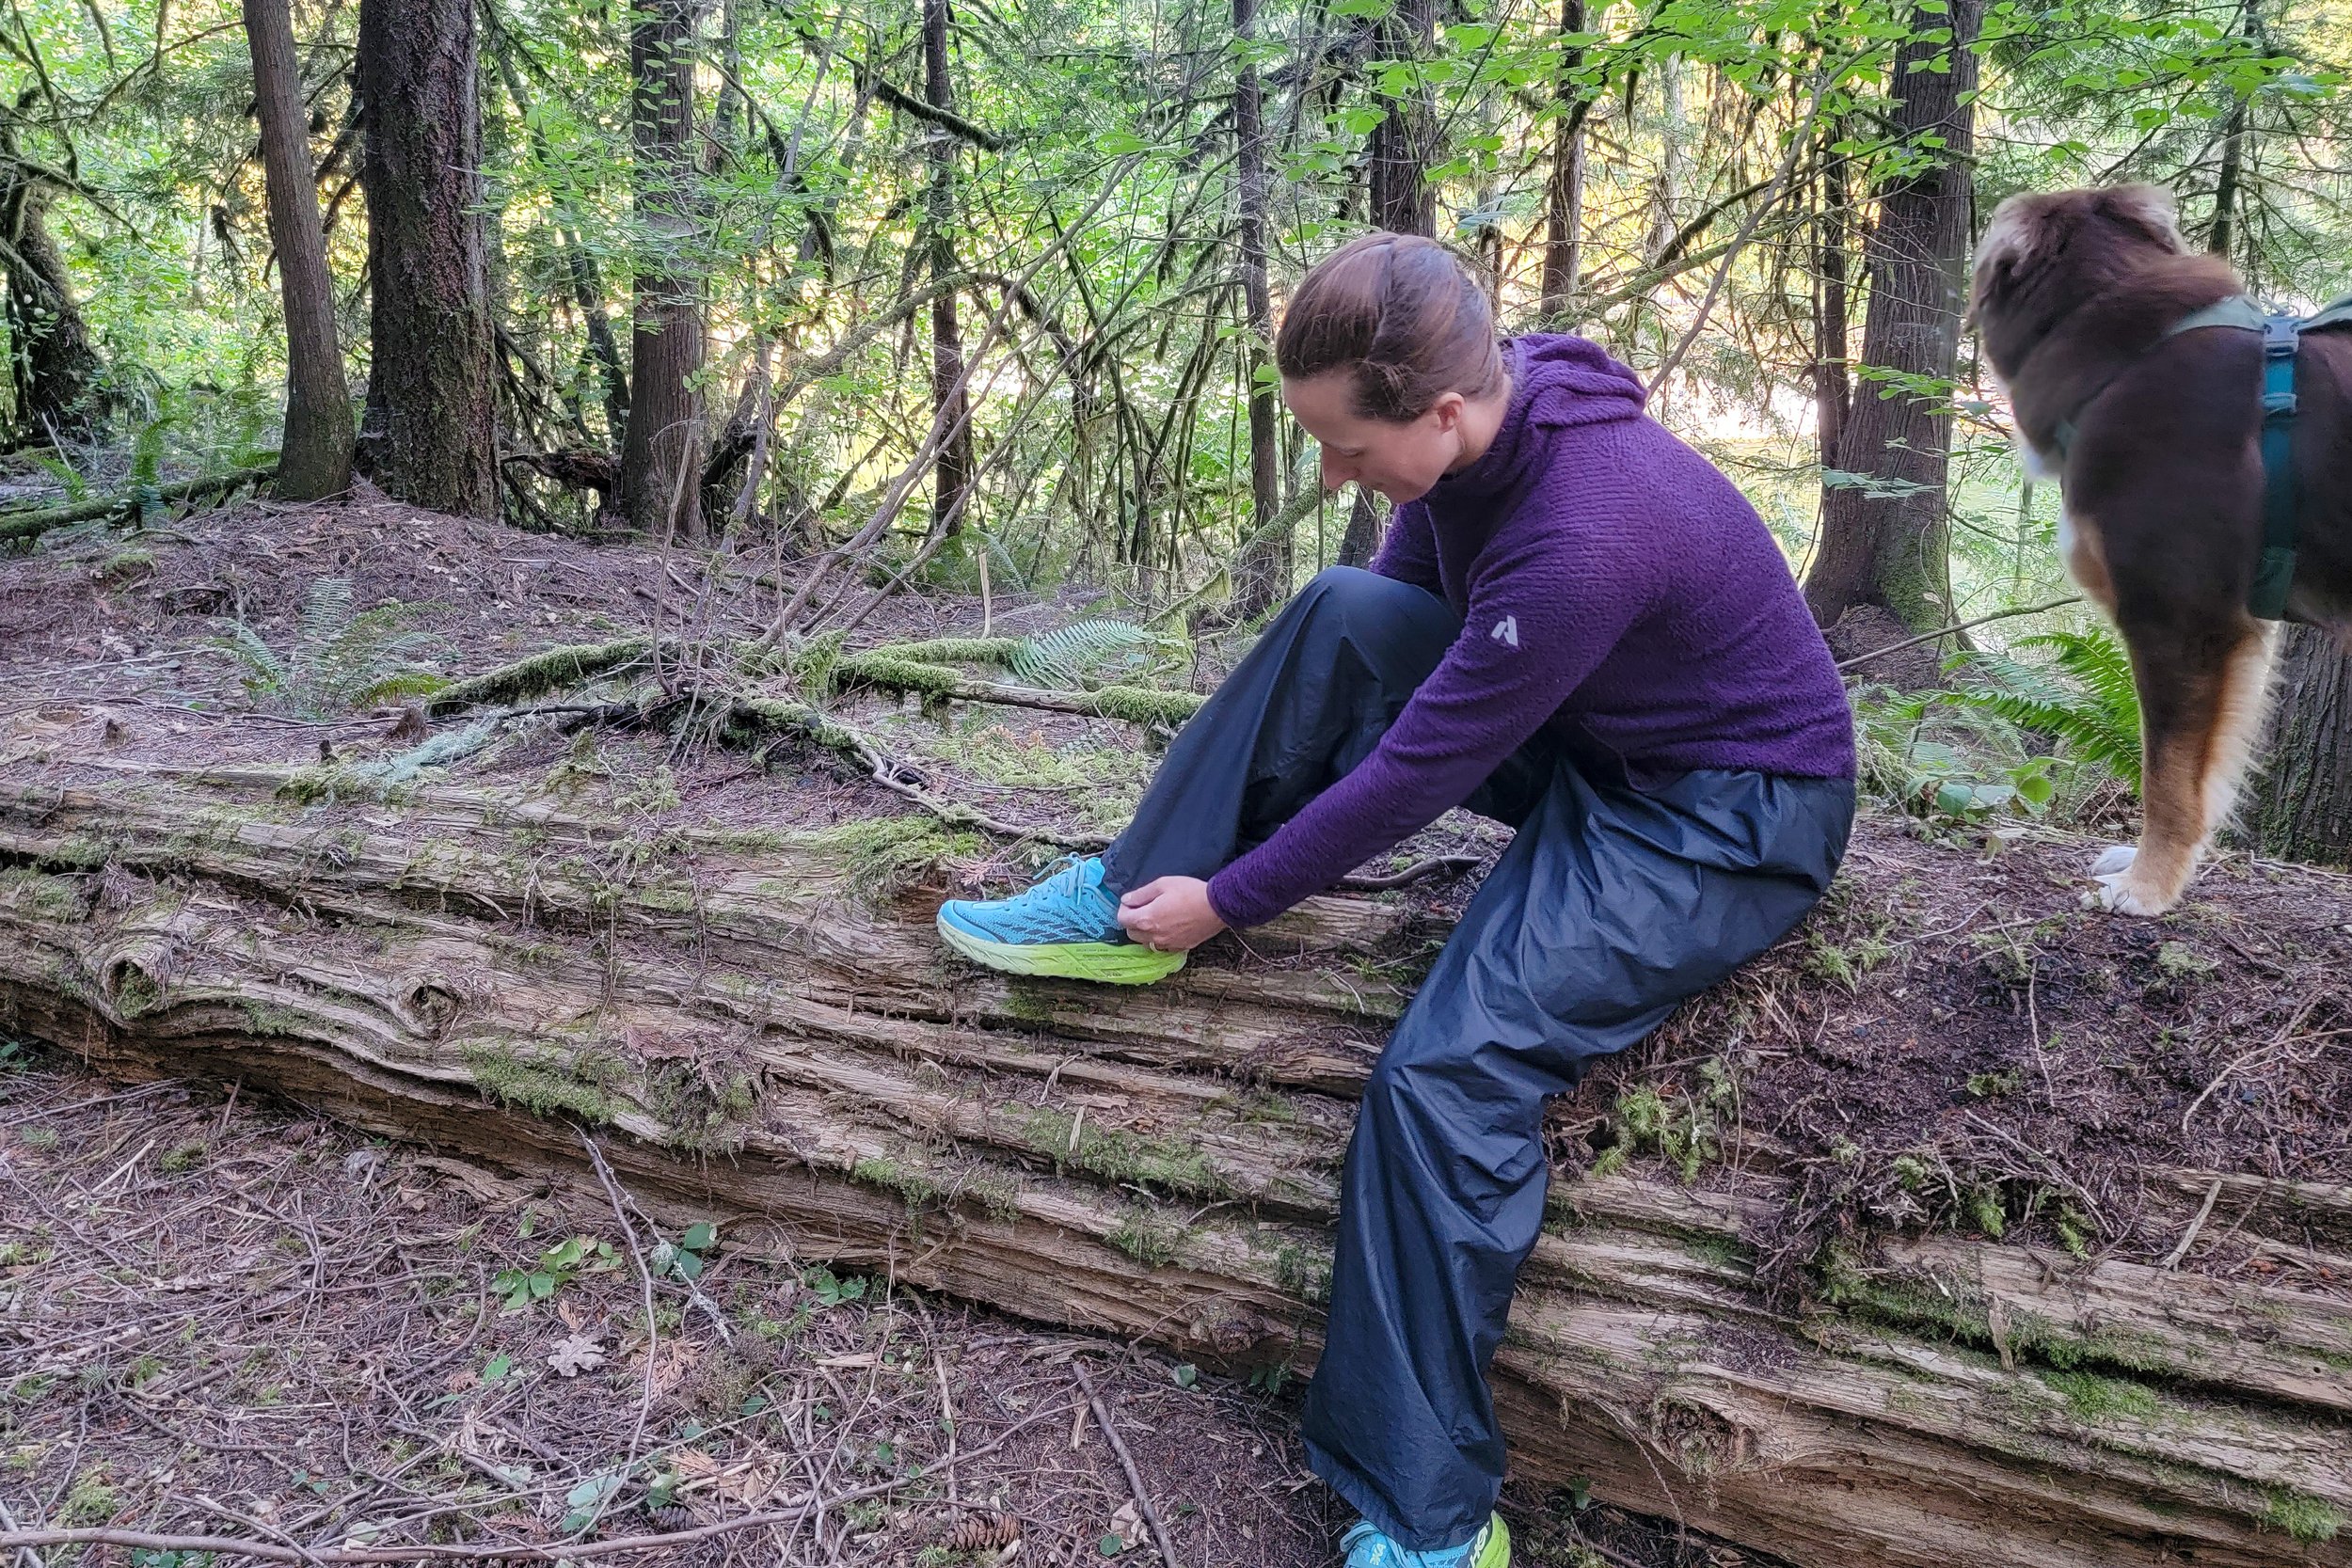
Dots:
pixel 1556 381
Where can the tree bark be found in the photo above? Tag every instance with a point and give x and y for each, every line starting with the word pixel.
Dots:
pixel 662 455
pixel 1833 222
pixel 769 1038
pixel 2303 799
pixel 57 375
pixel 1563 193
pixel 314 456
pixel 1883 537
pixel 951 470
pixel 1267 564
pixel 431 434
pixel 1404 144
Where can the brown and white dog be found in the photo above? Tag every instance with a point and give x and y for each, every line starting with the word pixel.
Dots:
pixel 2163 484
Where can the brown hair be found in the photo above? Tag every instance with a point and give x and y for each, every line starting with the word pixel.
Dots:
pixel 1401 314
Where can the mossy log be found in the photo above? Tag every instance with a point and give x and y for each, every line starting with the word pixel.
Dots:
pixel 760 1027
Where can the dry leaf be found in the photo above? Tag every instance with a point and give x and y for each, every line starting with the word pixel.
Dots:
pixel 838 1362
pixel 693 1464
pixel 577 1354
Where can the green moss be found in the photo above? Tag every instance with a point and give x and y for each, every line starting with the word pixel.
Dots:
pixel 914 1186
pixel 1174 1164
pixel 267 1021
pixel 136 993
pixel 886 669
pixel 1149 1237
pixel 2092 1398
pixel 704 1110
pixel 884 856
pixel 40 895
pixel 1144 704
pixel 2306 1519
pixel 996 651
pixel 548 671
pixel 1304 1272
pixel 545 1083
pixel 751 718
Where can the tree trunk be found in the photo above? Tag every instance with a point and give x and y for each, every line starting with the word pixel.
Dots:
pixel 314 455
pixel 1882 505
pixel 768 1037
pixel 1360 541
pixel 951 470
pixel 1264 576
pixel 662 455
pixel 2219 237
pixel 1563 194
pixel 432 431
pixel 52 365
pixel 2303 799
pixel 1404 144
pixel 1833 221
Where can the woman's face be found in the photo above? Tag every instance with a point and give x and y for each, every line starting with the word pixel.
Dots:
pixel 1401 461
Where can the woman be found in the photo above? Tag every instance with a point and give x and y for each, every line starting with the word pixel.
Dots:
pixel 1578 626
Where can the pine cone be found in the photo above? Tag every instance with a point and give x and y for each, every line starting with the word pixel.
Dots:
pixel 983 1533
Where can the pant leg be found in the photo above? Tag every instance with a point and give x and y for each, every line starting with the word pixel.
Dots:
pixel 1325 681
pixel 1610 908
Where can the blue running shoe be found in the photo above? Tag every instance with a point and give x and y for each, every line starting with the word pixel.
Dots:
pixel 1366 1548
pixel 1065 925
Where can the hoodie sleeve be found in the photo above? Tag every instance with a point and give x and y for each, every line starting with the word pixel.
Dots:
pixel 1409 553
pixel 1543 614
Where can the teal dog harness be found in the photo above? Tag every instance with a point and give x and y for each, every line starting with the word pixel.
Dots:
pixel 2274 573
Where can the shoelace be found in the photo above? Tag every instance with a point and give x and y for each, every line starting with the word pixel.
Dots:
pixel 1065 876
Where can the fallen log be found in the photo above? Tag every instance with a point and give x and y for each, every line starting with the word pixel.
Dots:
pixel 759 1025
pixel 136 506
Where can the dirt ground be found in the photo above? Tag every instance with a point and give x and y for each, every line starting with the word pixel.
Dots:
pixel 229 1319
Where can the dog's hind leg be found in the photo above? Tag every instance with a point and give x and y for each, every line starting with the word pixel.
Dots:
pixel 2201 708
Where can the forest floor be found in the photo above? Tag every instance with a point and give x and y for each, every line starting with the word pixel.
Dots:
pixel 243 1311
pixel 240 1320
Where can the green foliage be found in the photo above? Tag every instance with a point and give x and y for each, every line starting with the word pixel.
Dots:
pixel 339 659
pixel 2084 696
pixel 529 1284
pixel 1084 654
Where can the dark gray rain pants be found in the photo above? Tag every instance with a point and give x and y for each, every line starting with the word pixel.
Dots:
pixel 1611 906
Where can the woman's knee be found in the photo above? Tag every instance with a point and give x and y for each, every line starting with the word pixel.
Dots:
pixel 1366 602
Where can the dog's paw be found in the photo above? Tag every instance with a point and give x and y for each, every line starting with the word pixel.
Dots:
pixel 2114 860
pixel 2119 894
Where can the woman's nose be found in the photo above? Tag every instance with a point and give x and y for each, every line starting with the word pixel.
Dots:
pixel 1335 472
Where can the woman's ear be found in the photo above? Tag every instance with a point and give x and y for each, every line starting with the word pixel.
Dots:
pixel 1448 410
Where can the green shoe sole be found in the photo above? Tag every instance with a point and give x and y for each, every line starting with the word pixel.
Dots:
pixel 1116 963
pixel 1494 1546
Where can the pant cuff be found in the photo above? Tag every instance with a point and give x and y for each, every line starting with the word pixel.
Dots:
pixel 1361 1495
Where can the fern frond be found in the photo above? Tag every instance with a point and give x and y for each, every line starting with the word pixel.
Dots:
pixel 265 677
pixel 1067 656
pixel 2085 696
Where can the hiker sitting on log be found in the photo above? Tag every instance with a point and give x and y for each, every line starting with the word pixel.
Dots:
pixel 1578 626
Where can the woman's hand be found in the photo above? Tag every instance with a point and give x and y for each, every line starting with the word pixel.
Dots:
pixel 1171 915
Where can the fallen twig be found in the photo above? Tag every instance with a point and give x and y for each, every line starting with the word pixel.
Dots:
pixel 1126 1463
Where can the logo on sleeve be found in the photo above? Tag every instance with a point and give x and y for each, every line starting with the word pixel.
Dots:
pixel 1506 630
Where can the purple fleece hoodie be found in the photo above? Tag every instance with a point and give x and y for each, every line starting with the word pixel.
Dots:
pixel 1613 585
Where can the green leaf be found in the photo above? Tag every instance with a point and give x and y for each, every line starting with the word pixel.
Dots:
pixel 497 1367
pixel 1118 144
pixel 1187 1375
pixel 699 1236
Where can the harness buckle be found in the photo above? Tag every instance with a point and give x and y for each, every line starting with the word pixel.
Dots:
pixel 2281 336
